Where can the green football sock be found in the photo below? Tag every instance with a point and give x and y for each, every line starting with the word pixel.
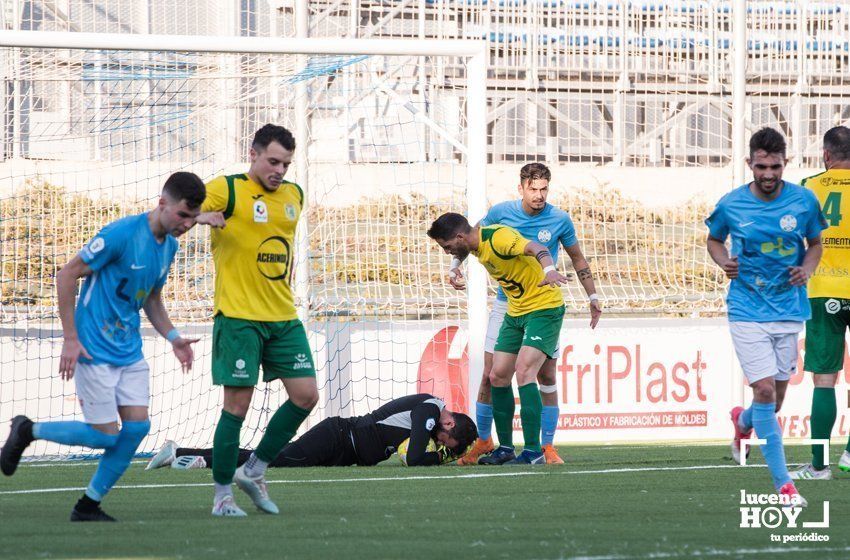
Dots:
pixel 824 412
pixel 503 414
pixel 280 430
pixel 530 408
pixel 226 447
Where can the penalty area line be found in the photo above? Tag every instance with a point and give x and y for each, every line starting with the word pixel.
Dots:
pixel 395 478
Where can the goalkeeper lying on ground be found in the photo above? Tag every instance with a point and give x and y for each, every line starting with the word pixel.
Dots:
pixel 361 440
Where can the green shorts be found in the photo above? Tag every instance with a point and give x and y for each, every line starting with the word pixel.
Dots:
pixel 825 335
pixel 240 347
pixel 538 329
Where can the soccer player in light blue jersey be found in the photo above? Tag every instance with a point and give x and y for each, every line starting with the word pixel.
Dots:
pixel 775 228
pixel 550 226
pixel 125 267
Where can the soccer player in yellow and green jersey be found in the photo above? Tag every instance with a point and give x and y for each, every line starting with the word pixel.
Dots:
pixel 529 335
pixel 254 216
pixel 829 295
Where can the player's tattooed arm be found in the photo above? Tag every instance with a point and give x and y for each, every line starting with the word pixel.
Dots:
pixel 584 274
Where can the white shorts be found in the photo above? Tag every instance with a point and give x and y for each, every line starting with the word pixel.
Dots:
pixel 766 349
pixel 102 388
pixel 497 317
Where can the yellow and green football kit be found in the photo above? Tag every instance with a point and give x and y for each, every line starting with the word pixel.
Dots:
pixel 256 322
pixel 535 313
pixel 829 287
pixel 829 295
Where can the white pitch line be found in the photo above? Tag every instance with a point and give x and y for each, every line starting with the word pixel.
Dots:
pixel 80 463
pixel 397 478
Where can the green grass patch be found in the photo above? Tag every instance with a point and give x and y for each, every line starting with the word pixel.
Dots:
pixel 605 502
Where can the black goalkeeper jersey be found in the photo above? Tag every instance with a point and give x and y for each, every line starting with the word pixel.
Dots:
pixel 376 436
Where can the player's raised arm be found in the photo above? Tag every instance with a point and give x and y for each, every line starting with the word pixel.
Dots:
pixel 66 288
pixel 158 316
pixel 585 276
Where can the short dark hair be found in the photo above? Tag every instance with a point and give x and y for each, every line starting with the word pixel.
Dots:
pixel 768 139
pixel 448 225
pixel 273 133
pixel 532 171
pixel 836 141
pixel 464 432
pixel 187 186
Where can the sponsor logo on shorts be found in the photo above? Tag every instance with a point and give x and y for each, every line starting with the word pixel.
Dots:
pixel 788 222
pixel 832 306
pixel 301 362
pixel 239 370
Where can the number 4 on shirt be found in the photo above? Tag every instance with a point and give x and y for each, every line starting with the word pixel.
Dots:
pixel 832 208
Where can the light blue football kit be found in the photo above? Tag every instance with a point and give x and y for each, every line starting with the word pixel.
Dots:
pixel 767 238
pixel 127 264
pixel 107 314
pixel 765 311
pixel 552 228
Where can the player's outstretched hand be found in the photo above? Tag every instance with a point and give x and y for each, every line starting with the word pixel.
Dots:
pixel 213 219
pixel 553 278
pixel 730 267
pixel 456 279
pixel 798 275
pixel 595 313
pixel 72 349
pixel 183 350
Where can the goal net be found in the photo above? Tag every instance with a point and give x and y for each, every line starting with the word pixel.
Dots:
pixel 388 139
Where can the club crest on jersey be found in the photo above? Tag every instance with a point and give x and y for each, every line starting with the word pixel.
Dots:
pixel 788 222
pixel 430 423
pixel 544 236
pixel 261 212
pixel 290 211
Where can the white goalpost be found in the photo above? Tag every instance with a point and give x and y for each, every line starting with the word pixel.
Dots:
pixel 390 134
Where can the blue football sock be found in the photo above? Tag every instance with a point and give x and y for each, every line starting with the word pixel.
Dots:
pixel 745 420
pixel 484 419
pixel 548 424
pixel 767 428
pixel 116 459
pixel 73 433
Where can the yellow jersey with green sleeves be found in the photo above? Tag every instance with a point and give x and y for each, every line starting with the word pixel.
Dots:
pixel 500 250
pixel 832 277
pixel 253 253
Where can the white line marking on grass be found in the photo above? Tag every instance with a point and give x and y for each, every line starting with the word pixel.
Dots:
pixel 710 553
pixel 398 478
pixel 80 463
